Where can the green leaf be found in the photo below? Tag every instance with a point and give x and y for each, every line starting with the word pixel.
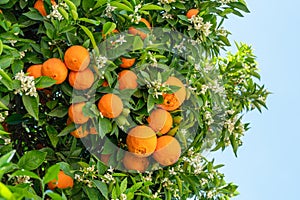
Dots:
pixel 240 6
pixel 108 27
pixel 34 15
pixel 60 112
pixel 123 185
pixel 52 134
pixel 67 130
pixel 138 43
pixel 92 193
pixel 25 173
pixel 32 160
pixel 5 79
pixel 3 106
pixel 7 158
pixel 121 6
pixel 44 82
pixel 32 105
pixel 102 187
pixel 17 66
pixel 5 192
pixel 3 1
pixel 1 47
pixel 53 195
pixel 150 103
pixel 51 173
pixel 91 21
pixel 91 36
pixel 6 61
pixel 104 126
pixel 151 7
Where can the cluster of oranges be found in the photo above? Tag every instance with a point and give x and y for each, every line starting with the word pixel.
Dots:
pixel 144 141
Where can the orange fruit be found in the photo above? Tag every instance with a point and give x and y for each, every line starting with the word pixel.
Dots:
pixel 105 84
pixel 192 12
pixel 141 140
pixel 35 70
pixel 39 5
pixel 133 162
pixel 77 58
pixel 63 181
pixel 76 115
pixel 110 105
pixel 81 80
pixel 1 11
pixel 79 132
pixel 56 69
pixel 127 62
pixel 127 80
pixel 167 151
pixel 135 31
pixel 160 121
pixel 105 158
pixel 174 100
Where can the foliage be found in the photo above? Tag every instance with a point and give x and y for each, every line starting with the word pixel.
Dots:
pixel 35 142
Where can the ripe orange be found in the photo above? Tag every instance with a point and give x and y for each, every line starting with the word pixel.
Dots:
pixel 110 105
pixel 105 84
pixel 127 80
pixel 133 162
pixel 76 115
pixel 64 181
pixel 160 121
pixel 80 132
pixel 141 140
pixel 192 12
pixel 77 58
pixel 35 70
pixel 39 5
pixel 81 80
pixel 167 151
pixel 127 62
pixel 1 11
pixel 135 31
pixel 174 100
pixel 56 69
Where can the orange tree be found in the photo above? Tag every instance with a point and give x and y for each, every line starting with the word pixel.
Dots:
pixel 76 125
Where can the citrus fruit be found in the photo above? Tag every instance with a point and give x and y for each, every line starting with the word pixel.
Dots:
pixel 39 5
pixel 110 105
pixel 76 115
pixel 81 80
pixel 174 100
pixel 167 151
pixel 55 69
pixel 133 162
pixel 160 121
pixel 127 62
pixel 141 140
pixel 192 12
pixel 127 80
pixel 132 30
pixel 105 84
pixel 35 70
pixel 79 132
pixel 77 58
pixel 62 182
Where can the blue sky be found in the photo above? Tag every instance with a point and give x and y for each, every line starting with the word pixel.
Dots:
pixel 267 167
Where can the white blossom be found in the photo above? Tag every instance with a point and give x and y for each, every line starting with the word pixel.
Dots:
pixel 27 85
pixel 109 9
pixel 55 14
